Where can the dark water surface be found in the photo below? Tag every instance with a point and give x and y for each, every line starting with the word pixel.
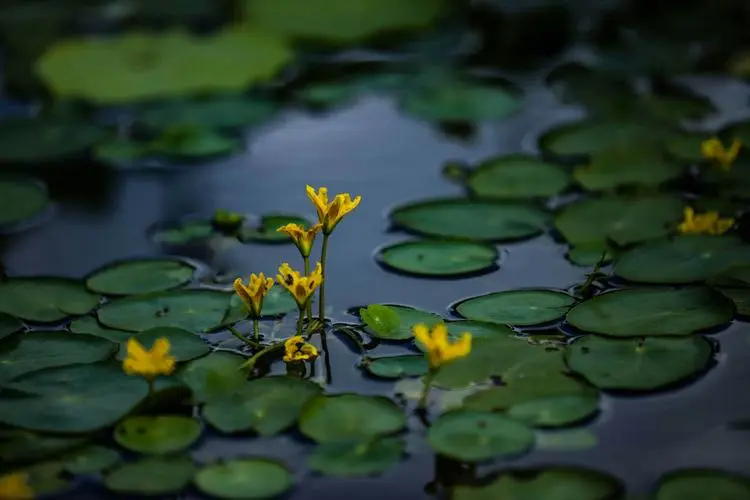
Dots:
pixel 372 149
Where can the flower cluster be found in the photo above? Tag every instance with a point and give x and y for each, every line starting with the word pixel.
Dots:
pixel 296 349
pixel 149 363
pixel 708 223
pixel 713 149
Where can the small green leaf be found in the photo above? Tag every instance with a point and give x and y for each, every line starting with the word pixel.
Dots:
pixel 383 320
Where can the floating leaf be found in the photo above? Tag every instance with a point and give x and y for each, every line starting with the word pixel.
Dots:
pixel 558 483
pixel 409 365
pixel 516 307
pixel 45 299
pixel 699 484
pixel 157 435
pixel 601 93
pixel 214 376
pixel 21 446
pixel 638 365
pixel 686 146
pixel 26 140
pixel 9 325
pixel 244 478
pixel 350 417
pixel 215 112
pixel 556 411
pixel 619 219
pixel 183 345
pixel 340 21
pixel 740 297
pixel 266 229
pixel 191 142
pixel 139 65
pixel 78 398
pixel 192 310
pixel 517 176
pixel 610 169
pixel 184 233
pixel 89 325
pixel 641 312
pixel 524 390
pixel 33 351
pixel 439 258
pixel 408 317
pixel 48 478
pixel 589 254
pixel 464 219
pixel 357 458
pixel 140 276
pixel 91 460
pixel 22 200
pixel 151 476
pixel 381 319
pixel 476 436
pixel 268 405
pixel 683 259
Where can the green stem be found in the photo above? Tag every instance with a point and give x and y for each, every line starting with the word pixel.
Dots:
pixel 426 389
pixel 300 319
pixel 307 273
pixel 256 329
pixel 322 296
pixel 236 333
pixel 249 365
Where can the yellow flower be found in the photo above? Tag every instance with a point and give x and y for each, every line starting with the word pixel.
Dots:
pixel 330 214
pixel 713 149
pixel 303 238
pixel 149 364
pixel 15 486
pixel 439 349
pixel 296 349
pixel 252 294
pixel 301 287
pixel 708 223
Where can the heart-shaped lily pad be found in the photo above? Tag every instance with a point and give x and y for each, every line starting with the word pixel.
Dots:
pixel 641 312
pixel 408 317
pixel 214 376
pixel 516 307
pixel 556 411
pixel 517 176
pixel 524 390
pixel 638 364
pixel 157 435
pixel 89 325
pixel 446 259
pixel 408 365
pixel 45 299
pixel 22 200
pixel 244 478
pixel 357 458
pixel 151 476
pixel 477 220
pixel 140 276
pixel 474 436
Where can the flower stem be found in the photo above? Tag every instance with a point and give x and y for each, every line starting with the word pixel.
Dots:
pixel 249 365
pixel 236 333
pixel 426 389
pixel 300 319
pixel 256 329
pixel 322 293
pixel 307 273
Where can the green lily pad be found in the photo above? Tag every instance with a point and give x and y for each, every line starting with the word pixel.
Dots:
pixel 268 405
pixel 357 458
pixel 73 399
pixel 191 141
pixel 610 169
pixel 380 319
pixel 338 21
pixel 599 92
pixel 591 136
pixel 184 345
pixel 214 376
pixel 517 176
pixel 22 446
pixel 118 150
pixel 48 479
pixel 686 146
pixel 139 66
pixel 524 390
pixel 507 357
pixel 517 307
pixel 9 325
pixel 740 297
pixel 244 479
pixel 38 350
pixel 89 325
pixel 265 231
pixel 408 365
pixel 638 365
pixel 700 484
pixel 157 435
pixel 408 317
pixel 140 276
pixel 682 259
pixel 589 254
pixel 556 411
pixel 619 219
pixel 215 112
pixel 474 220
pixel 641 312
pixel 26 140
pixel 22 200
pixel 477 329
pixel 188 232
pixel 677 106
pixel 277 302
pixel 558 483
pixel 45 300
pixel 192 310
pixel 350 417
pixel 151 476
pixel 91 460
pixel 439 258
pixel 475 436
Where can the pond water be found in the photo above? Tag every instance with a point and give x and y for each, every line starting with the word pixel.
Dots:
pixel 373 148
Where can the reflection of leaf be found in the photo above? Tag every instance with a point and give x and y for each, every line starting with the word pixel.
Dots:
pixel 381 319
